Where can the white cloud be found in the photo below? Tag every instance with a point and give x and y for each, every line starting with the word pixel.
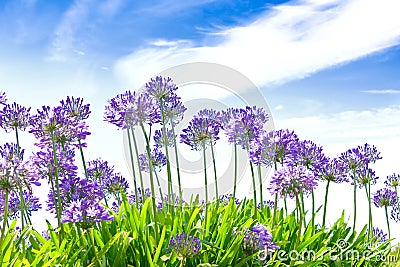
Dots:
pixel 289 42
pixel 279 107
pixel 382 92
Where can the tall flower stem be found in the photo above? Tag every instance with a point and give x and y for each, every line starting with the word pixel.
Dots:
pixel 58 204
pixel 205 185
pixel 5 217
pixel 355 200
pixel 138 160
pixel 369 211
pixel 261 189
pixel 254 182
pixel 169 176
pixel 387 220
pixel 83 160
pixel 276 200
pixel 91 237
pixel 301 211
pixel 177 164
pixel 326 202
pixel 235 170
pixel 313 211
pixel 215 170
pixel 159 185
pixel 133 166
pixel 151 182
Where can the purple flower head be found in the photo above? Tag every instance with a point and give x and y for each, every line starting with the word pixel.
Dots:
pixel 184 245
pixel 291 180
pixel 55 123
pixel 43 163
pixel 393 180
pixel 161 140
pixel 14 204
pixel 132 197
pixel 362 155
pixel 395 213
pixel 200 132
pixel 311 156
pixel 98 170
pixel 384 198
pixel 334 171
pixel 244 125
pixel 158 160
pixel 211 114
pixel 73 189
pixel 85 212
pixel 116 108
pixel 14 117
pixel 378 235
pixel 160 87
pixel 173 109
pixel 75 108
pixel 142 110
pixel 363 176
pixel 273 147
pixel 14 172
pixel 114 184
pixel 268 203
pixel 3 98
pixel 175 199
pixel 226 198
pixel 258 238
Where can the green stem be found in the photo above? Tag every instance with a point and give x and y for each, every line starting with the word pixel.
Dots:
pixel 93 245
pixel 300 225
pixel 170 191
pixel 326 202
pixel 261 190
pixel 235 171
pixel 151 183
pixel 355 200
pixel 215 170
pixel 177 165
pixel 254 188
pixel 159 185
pixel 285 205
pixel 313 211
pixel 133 167
pixel 83 160
pixel 5 215
pixel 369 206
pixel 206 187
pixel 58 205
pixel 138 162
pixel 387 220
pixel 276 201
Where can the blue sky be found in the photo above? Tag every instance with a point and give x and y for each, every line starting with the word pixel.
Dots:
pixel 328 68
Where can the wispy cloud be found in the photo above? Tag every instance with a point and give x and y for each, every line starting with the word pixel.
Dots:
pixel 382 92
pixel 291 41
pixel 64 41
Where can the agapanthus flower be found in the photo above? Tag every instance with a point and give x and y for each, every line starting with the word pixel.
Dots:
pixel 142 110
pixel 86 212
pixel 226 198
pixel 158 160
pixel 114 184
pixel 393 180
pixel 146 194
pixel 3 98
pixel 99 170
pixel 14 117
pixel 311 156
pixel 31 204
pixel 269 203
pixel 165 200
pixel 363 176
pixel 200 132
pixel 395 213
pixel 162 140
pixel 362 155
pixel 14 172
pixel 244 125
pixel 75 108
pixel 378 235
pixel 184 245
pixel 273 147
pixel 116 107
pixel 173 109
pixel 55 123
pixel 43 163
pixel 160 87
pixel 73 189
pixel 291 181
pixel 258 238
pixel 384 198
pixel 334 171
